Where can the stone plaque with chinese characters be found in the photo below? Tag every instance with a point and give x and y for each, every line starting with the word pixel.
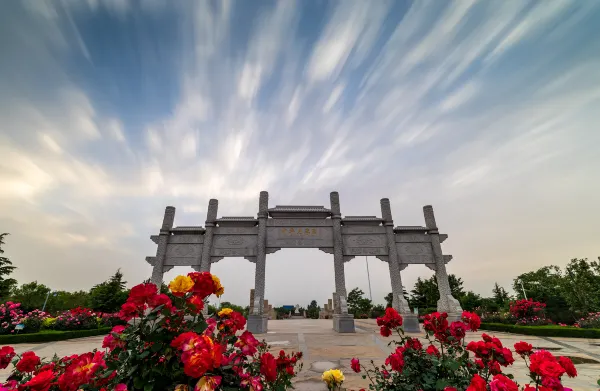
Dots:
pixel 234 245
pixel 366 244
pixel 299 236
pixel 415 252
pixel 182 254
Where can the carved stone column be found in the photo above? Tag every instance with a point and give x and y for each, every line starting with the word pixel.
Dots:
pixel 342 321
pixel 411 323
pixel 257 322
pixel 211 217
pixel 163 241
pixel 447 303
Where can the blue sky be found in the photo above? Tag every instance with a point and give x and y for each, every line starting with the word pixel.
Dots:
pixel 111 110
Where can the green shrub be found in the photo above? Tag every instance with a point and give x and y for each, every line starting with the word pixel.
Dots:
pixel 50 335
pixel 545 331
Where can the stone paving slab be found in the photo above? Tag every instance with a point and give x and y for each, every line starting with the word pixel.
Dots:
pixel 323 348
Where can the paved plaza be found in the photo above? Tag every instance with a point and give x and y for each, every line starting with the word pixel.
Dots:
pixel 323 349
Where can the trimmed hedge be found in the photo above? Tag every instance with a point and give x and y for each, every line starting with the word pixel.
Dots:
pixel 543 331
pixel 51 335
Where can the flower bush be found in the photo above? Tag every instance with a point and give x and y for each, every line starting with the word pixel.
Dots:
pixel 527 312
pixel 34 321
pixel 447 364
pixel 592 321
pixel 76 319
pixel 167 345
pixel 10 316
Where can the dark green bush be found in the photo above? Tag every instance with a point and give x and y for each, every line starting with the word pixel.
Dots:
pixel 48 336
pixel 543 331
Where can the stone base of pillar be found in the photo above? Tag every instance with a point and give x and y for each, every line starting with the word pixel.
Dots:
pixel 343 323
pixel 454 317
pixel 257 324
pixel 410 323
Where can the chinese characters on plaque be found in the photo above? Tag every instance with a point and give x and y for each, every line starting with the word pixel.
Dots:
pixel 298 232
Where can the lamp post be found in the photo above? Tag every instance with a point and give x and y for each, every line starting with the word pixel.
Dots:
pixel 523 288
pixel 369 278
pixel 46 301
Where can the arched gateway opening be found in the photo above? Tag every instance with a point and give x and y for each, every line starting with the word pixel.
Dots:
pixel 308 227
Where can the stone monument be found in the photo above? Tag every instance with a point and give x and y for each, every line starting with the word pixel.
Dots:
pixel 308 227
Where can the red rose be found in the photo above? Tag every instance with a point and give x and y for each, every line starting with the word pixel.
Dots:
pixel 28 362
pixel 567 364
pixel 477 384
pixel 413 343
pixel 142 293
pixel 551 369
pixel 503 383
pixel 41 382
pixel 472 320
pixel 161 299
pixel 432 351
pixel 290 370
pixel 355 365
pixel 196 304
pixel 396 360
pixel 128 311
pixel 204 285
pixel 539 357
pixel 458 330
pixel 268 367
pixel 450 388
pixel 7 353
pixel 385 332
pixel 523 348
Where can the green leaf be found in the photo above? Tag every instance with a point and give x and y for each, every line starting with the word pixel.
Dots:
pixel 148 387
pixel 144 354
pixel 157 347
pixel 441 384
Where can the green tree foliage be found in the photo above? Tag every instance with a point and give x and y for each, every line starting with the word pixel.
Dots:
pixel 109 295
pixel 6 269
pixel 62 301
pixel 581 285
pixel 31 295
pixel 235 307
pixel 425 294
pixel 501 296
pixel 312 311
pixel 377 311
pixel 470 300
pixel 358 304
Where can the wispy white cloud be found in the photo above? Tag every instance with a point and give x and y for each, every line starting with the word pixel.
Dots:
pixel 470 106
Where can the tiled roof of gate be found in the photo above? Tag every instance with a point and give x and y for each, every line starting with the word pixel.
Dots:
pixel 236 218
pixel 411 228
pixel 363 218
pixel 299 208
pixel 188 228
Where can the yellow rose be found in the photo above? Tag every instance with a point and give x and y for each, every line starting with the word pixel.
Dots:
pixel 182 387
pixel 181 285
pixel 333 377
pixel 219 290
pixel 208 383
pixel 224 312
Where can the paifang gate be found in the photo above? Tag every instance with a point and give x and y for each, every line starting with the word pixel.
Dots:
pixel 308 227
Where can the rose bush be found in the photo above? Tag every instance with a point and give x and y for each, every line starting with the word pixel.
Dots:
pixel 167 345
pixel 76 319
pixel 34 321
pixel 592 321
pixel 447 364
pixel 527 312
pixel 10 316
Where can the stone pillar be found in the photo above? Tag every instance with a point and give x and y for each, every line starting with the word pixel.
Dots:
pixel 447 303
pixel 161 251
pixel 342 321
pixel 411 323
pixel 257 321
pixel 211 217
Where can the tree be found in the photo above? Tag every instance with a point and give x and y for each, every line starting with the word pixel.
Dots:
pixel 62 301
pixel 6 268
pixel 109 295
pixel 358 304
pixel 426 293
pixel 546 285
pixel 470 300
pixel 581 285
pixel 31 296
pixel 501 296
pixel 313 310
pixel 389 298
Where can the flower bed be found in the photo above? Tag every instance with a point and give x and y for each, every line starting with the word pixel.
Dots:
pixel 10 315
pixel 50 335
pixel 163 349
pixel 592 321
pixel 447 364
pixel 545 331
